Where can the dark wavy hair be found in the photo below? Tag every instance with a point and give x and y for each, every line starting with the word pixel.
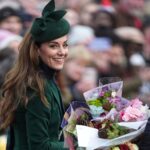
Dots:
pixel 24 74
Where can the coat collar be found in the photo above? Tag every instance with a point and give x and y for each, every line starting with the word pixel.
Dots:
pixel 46 71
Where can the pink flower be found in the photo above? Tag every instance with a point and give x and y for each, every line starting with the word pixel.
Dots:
pixel 121 115
pixel 136 103
pixel 132 114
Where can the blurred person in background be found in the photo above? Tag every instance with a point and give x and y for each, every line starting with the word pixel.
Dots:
pixel 72 17
pixel 10 40
pixel 26 21
pixel 104 19
pixel 7 59
pixel 117 60
pixel 76 4
pixel 85 14
pixel 80 35
pixel 31 104
pixel 100 48
pixel 130 13
pixel 88 81
pixel 144 75
pixel 32 7
pixel 78 60
pixel 109 59
pixel 29 10
pixel 10 3
pixel 104 22
pixel 144 72
pixel 146 31
pixel 10 20
pixel 132 43
pixel 144 90
pixel 105 46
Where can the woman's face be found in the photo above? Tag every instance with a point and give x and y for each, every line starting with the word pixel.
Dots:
pixel 54 53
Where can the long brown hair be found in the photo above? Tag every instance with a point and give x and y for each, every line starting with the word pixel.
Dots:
pixel 24 74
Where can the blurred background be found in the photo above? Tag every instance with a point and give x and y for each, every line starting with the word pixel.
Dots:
pixel 108 38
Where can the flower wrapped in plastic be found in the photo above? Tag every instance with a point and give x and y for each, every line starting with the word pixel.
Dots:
pixel 111 121
pixel 78 113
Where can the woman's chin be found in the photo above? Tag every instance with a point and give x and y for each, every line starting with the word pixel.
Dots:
pixel 58 67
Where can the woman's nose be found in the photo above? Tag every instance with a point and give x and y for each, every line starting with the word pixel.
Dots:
pixel 63 50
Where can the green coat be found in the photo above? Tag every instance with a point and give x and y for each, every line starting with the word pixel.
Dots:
pixel 37 127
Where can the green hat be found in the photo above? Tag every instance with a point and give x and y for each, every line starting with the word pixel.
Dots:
pixel 51 25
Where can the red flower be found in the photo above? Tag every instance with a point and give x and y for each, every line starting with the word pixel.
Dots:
pixel 123 147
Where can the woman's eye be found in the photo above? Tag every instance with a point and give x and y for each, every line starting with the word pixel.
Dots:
pixel 65 45
pixel 53 46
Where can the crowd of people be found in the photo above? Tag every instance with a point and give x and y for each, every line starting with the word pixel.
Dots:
pixel 107 38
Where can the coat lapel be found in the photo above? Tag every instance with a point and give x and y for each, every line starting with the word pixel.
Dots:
pixel 56 94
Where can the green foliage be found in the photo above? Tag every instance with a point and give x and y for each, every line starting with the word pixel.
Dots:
pixel 111 129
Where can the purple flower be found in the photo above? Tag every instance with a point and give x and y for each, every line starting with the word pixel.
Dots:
pixel 101 94
pixel 105 88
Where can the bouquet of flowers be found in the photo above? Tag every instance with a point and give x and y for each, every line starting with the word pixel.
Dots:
pixel 105 121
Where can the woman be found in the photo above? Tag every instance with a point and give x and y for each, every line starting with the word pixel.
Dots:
pixel 31 104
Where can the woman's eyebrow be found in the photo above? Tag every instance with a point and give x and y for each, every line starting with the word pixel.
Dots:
pixel 54 42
